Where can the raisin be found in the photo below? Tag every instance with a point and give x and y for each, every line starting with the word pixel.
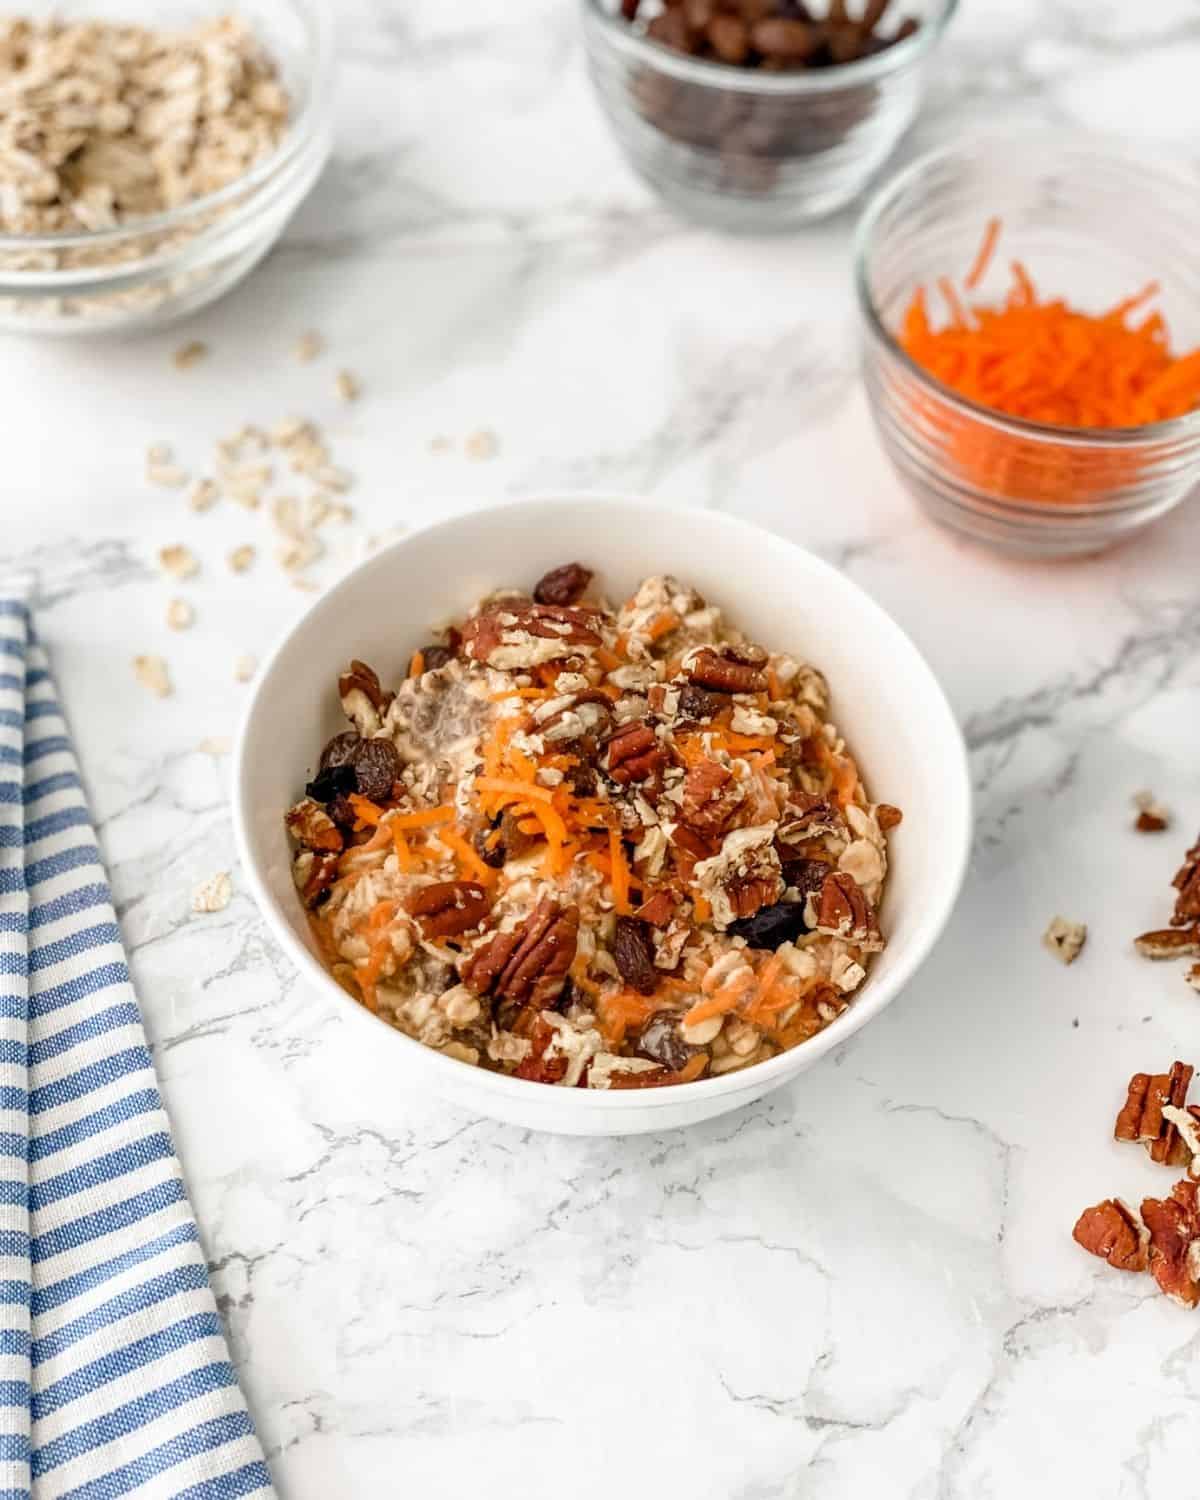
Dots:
pixel 661 1043
pixel 807 875
pixel 695 703
pixel 440 653
pixel 563 585
pixel 332 783
pixel 377 765
pixel 771 926
pixel 582 781
pixel 633 950
pixel 490 850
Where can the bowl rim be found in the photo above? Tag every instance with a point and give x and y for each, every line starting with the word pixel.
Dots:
pixel 622 36
pixel 871 1000
pixel 1041 146
pixel 318 16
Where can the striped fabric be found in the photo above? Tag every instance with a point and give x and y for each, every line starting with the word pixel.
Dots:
pixel 114 1374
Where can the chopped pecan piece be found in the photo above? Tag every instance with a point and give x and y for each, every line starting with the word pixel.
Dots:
pixel 751 895
pixel 1193 976
pixel 527 967
pixel 1064 939
pixel 313 875
pixel 1114 1232
pixel 511 635
pixel 633 754
pixel 887 816
pixel 448 907
pixel 536 1067
pixel 1141 1116
pixel 1169 942
pixel 1152 817
pixel 312 827
pixel 563 585
pixel 806 818
pixel 363 698
pixel 725 669
pixel 1174 1226
pixel 658 909
pixel 634 955
pixel 1187 883
pixel 843 908
pixel 711 797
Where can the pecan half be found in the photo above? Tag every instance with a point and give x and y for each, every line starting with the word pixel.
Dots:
pixel 313 875
pixel 562 585
pixel 843 909
pixel 364 701
pixel 537 1067
pixel 808 818
pixel 511 635
pixel 633 951
pixel 1169 942
pixel 312 827
pixel 633 754
pixel 1141 1116
pixel 527 967
pixel 1174 1227
pixel 1114 1232
pixel 1187 883
pixel 711 797
pixel 724 669
pixel 448 907
pixel 572 716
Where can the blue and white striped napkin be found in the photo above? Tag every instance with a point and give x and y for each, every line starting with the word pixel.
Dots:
pixel 115 1378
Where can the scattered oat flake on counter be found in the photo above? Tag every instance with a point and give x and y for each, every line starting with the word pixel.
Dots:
pixel 188 355
pixel 179 561
pixel 244 668
pixel 481 445
pixel 213 894
pixel 308 346
pixel 151 672
pixel 215 744
pixel 205 494
pixel 167 476
pixel 180 614
pixel 441 444
pixel 347 385
pixel 1152 817
pixel 1065 939
pixel 241 558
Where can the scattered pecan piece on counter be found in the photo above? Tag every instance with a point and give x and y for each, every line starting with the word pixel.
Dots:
pixel 1152 817
pixel 1141 1116
pixel 312 827
pixel 565 585
pixel 528 966
pixel 1193 976
pixel 364 701
pixel 1187 883
pixel 1174 1226
pixel 633 753
pixel 313 875
pixel 512 635
pixel 1114 1232
pixel 727 669
pixel 1064 939
pixel 1169 942
pixel 633 952
pixel 448 908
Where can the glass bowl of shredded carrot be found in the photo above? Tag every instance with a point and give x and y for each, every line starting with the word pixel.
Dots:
pixel 1032 339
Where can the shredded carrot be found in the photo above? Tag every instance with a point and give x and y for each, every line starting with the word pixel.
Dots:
pixel 607 659
pixel 522 765
pixel 662 624
pixel 726 999
pixel 616 1013
pixel 693 1068
pixel 517 692
pixel 467 857
pixel 426 818
pixel 1041 359
pixel 403 853
pixel 983 256
pixel 774 690
pixel 416 667
pixel 701 908
pixel 367 812
pixel 513 789
pixel 620 873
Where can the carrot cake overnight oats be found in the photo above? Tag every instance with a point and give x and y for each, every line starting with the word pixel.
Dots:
pixel 594 847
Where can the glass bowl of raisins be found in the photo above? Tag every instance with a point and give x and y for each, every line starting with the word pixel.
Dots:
pixel 758 115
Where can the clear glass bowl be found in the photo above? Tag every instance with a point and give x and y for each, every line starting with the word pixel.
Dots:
pixel 154 269
pixel 751 151
pixel 1093 224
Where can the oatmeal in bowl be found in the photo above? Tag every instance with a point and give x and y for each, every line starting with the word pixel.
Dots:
pixel 594 845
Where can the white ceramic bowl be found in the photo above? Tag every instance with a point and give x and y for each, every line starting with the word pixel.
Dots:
pixel 885 700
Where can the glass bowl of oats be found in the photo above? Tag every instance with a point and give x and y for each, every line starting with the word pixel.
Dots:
pixel 147 165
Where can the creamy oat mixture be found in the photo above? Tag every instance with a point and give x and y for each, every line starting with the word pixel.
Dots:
pixel 612 848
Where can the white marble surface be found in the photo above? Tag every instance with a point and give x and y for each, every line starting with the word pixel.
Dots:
pixel 866 1284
